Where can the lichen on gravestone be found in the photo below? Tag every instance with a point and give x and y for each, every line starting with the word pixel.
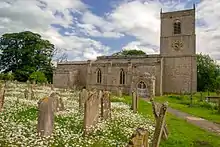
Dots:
pixel 45 117
pixel 139 138
pixel 159 126
pixel 105 106
pixel 58 104
pixel 91 112
pixel 83 96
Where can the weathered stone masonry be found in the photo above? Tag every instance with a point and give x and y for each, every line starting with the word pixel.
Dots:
pixel 172 71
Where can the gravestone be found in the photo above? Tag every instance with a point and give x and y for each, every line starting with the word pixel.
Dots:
pixel 156 112
pixel 28 84
pixel 83 96
pixel 159 126
pixel 120 92
pixel 100 96
pixel 91 112
pixel 134 101
pixel 32 92
pixel 26 94
pixel 45 117
pixel 2 97
pixel 139 138
pixel 105 105
pixel 52 87
pixel 58 104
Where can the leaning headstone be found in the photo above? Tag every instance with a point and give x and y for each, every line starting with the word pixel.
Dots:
pixel 156 112
pixel 139 138
pixel 105 106
pixel 45 117
pixel 159 126
pixel 83 96
pixel 2 97
pixel 134 101
pixel 91 112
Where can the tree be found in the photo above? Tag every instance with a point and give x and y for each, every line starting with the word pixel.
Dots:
pixel 38 76
pixel 24 53
pixel 207 73
pixel 129 53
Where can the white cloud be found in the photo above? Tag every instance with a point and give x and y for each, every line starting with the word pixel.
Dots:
pixel 141 19
pixel 138 18
pixel 38 15
pixel 138 46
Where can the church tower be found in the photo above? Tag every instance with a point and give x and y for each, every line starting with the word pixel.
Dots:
pixel 178 50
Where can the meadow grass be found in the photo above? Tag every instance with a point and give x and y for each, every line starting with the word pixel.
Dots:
pixel 199 107
pixel 182 134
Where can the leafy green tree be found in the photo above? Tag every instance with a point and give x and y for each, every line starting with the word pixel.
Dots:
pixel 38 76
pixel 24 53
pixel 207 73
pixel 129 53
pixel 7 76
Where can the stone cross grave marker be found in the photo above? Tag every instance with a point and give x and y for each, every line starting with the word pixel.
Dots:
pixel 58 104
pixel 134 101
pixel 139 138
pixel 45 117
pixel 159 126
pixel 2 96
pixel 83 96
pixel 105 105
pixel 91 112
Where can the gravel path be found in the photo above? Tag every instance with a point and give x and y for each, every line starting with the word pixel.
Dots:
pixel 200 122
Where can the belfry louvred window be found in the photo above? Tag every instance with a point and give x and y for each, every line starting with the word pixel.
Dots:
pixel 177 27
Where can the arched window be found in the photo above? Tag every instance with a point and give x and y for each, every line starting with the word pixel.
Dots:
pixel 122 77
pixel 99 76
pixel 177 27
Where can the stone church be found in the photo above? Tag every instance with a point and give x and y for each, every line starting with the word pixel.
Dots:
pixel 174 70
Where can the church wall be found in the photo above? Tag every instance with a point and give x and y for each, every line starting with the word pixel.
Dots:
pixel 79 78
pixel 111 73
pixel 177 74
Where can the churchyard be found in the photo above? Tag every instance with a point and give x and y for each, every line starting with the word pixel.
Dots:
pixel 41 115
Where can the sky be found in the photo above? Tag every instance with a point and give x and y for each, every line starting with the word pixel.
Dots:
pixel 85 29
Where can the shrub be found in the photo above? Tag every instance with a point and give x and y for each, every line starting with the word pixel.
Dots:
pixel 38 77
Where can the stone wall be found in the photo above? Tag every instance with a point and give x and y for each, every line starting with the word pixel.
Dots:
pixel 111 67
pixel 77 70
pixel 177 74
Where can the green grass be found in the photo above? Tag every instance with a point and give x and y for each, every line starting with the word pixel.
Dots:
pixel 182 134
pixel 199 108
